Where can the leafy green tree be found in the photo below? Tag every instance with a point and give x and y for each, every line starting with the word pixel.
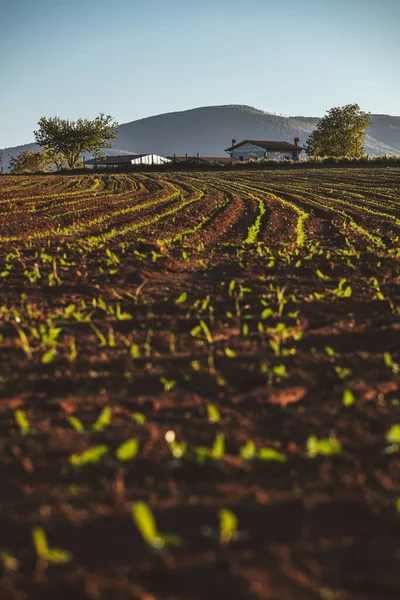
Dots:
pixel 30 162
pixel 71 138
pixel 56 158
pixel 340 133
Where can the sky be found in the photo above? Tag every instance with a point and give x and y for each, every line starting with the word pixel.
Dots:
pixel 137 58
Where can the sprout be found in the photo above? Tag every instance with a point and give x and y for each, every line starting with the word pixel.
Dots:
pixel 324 447
pixel 228 526
pixel 127 450
pixel 145 522
pixel 213 413
pixel 348 398
pixel 56 556
pixel 91 456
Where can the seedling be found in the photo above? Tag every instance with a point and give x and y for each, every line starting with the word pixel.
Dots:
pixel 182 298
pixel 389 362
pixel 44 553
pixel 127 450
pixel 102 421
pixel 92 455
pixel 324 447
pixel 22 421
pixel 342 372
pixel 213 413
pixel 139 418
pixel 168 384
pixel 249 452
pixel 393 438
pixel 348 397
pixel 228 526
pixel 24 343
pixel 145 522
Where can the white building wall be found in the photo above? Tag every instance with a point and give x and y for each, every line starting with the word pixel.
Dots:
pixel 150 159
pixel 247 149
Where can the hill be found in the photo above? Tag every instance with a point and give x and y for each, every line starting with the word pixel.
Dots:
pixel 209 130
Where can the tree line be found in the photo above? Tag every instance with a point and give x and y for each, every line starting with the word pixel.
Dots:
pixel 340 133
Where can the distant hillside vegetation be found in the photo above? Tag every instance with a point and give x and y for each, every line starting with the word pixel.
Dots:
pixel 210 129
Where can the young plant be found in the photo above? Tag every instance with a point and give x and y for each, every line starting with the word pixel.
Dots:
pixel 90 456
pixel 22 421
pixel 393 438
pixel 249 452
pixel 102 421
pixel 323 447
pixel 44 553
pixel 145 522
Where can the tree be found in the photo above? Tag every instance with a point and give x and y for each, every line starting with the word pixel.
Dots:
pixel 29 162
pixel 340 133
pixel 71 138
pixel 1 161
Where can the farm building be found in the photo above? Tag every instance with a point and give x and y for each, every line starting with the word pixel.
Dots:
pixel 213 160
pixel 256 149
pixel 127 159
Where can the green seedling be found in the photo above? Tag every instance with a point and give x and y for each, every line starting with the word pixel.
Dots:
pixel 56 556
pixel 146 524
pixel 182 298
pixel 343 372
pixel 230 353
pixel 127 450
pixel 24 343
pixel 90 456
pixel 321 275
pixel 76 424
pixel 393 438
pixel 389 362
pixel 270 454
pixel 168 384
pixel 249 452
pixel 324 447
pixel 21 420
pixel 103 420
pixel 122 316
pixel 331 352
pixel 139 418
pixel 342 292
pixel 213 413
pixel 135 351
pixel 348 398
pixel 228 526
pixel 49 356
pixel 203 455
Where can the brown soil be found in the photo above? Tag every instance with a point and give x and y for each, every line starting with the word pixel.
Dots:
pixel 263 331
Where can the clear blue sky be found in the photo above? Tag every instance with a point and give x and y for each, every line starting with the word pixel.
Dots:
pixel 133 59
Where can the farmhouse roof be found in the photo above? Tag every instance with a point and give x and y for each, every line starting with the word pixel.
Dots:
pixel 272 146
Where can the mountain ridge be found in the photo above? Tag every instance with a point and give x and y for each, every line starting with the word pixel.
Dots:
pixel 209 130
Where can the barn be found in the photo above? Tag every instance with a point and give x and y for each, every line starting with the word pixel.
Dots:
pixel 127 159
pixel 256 149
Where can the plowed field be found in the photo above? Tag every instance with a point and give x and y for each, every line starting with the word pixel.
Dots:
pixel 199 386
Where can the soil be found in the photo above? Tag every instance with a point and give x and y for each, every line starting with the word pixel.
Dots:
pixel 270 296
